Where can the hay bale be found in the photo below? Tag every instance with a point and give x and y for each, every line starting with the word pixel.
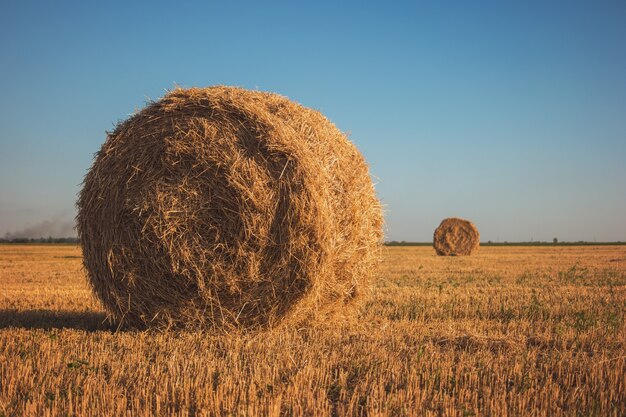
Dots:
pixel 227 209
pixel 455 237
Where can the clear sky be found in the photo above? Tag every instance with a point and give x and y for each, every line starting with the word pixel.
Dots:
pixel 511 114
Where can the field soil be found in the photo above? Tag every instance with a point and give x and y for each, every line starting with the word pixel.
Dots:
pixel 509 331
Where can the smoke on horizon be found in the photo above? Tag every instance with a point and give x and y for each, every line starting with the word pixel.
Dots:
pixel 47 228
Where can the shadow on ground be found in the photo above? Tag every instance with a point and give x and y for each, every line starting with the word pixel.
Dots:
pixel 50 319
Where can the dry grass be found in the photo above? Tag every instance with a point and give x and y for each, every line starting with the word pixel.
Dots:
pixel 509 331
pixel 228 209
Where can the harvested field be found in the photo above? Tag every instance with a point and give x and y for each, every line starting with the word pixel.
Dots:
pixel 508 331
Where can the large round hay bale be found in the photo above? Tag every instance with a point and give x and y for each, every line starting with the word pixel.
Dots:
pixel 224 208
pixel 455 237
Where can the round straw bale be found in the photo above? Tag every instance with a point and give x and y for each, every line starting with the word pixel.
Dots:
pixel 227 209
pixel 456 236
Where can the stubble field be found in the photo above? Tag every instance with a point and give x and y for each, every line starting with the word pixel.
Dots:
pixel 510 331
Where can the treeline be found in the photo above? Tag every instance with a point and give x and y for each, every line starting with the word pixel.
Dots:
pixel 577 243
pixel 404 243
pixel 490 243
pixel 392 243
pixel 40 240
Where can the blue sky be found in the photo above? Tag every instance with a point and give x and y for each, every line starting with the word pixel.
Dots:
pixel 510 114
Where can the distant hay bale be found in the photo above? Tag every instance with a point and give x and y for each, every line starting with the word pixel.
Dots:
pixel 455 237
pixel 227 209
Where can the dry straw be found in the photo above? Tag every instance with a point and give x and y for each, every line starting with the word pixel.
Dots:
pixel 227 209
pixel 456 236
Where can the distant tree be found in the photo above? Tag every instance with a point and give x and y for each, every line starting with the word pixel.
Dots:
pixel 555 241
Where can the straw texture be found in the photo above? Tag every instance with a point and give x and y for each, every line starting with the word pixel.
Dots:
pixel 226 209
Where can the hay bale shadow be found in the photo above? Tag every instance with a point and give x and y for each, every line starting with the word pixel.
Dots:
pixel 474 344
pixel 90 321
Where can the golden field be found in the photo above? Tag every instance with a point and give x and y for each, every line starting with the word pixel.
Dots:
pixel 510 331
